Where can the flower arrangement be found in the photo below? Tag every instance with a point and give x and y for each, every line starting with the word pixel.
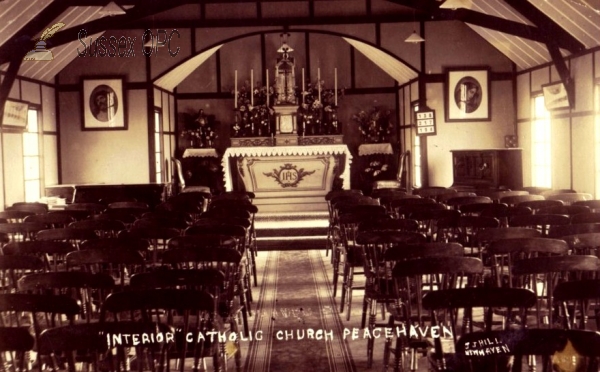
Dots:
pixel 375 168
pixel 255 115
pixel 375 125
pixel 319 116
pixel 200 131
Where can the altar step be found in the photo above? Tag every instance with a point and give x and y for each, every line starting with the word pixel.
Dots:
pixel 291 230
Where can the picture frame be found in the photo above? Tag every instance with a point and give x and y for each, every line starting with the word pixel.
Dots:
pixel 467 94
pixel 15 114
pixel 556 96
pixel 103 104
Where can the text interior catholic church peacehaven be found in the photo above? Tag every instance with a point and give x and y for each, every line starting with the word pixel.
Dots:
pixel 119 100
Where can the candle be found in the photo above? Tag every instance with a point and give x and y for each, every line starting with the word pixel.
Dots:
pixel 319 82
pixel 335 85
pixel 251 87
pixel 235 95
pixel 268 90
pixel 302 84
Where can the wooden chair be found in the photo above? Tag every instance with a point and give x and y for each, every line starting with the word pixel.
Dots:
pixel 585 243
pixel 380 287
pixel 73 344
pixel 156 237
pixel 416 277
pixel 547 271
pixel 15 343
pixel 35 207
pixel 12 268
pixel 38 311
pixel 534 189
pixel 428 220
pixel 546 193
pixel 570 198
pixel 456 194
pixel 21 231
pixel 512 303
pixel 496 195
pixel 52 253
pixel 558 349
pixel 513 201
pixel 536 205
pixel 210 280
pixel 123 243
pixel 51 220
pixel 572 229
pixel 542 222
pixel 464 230
pixel 593 204
pixel 583 218
pixel 577 299
pixel 569 210
pixel 12 216
pixel 504 252
pixel 91 208
pixel 89 290
pixel 227 260
pixel 75 236
pixel 433 192
pixel 187 310
pixel 104 228
pixel 459 201
pixel 119 264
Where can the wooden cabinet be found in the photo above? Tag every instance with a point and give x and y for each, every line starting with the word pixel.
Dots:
pixel 494 168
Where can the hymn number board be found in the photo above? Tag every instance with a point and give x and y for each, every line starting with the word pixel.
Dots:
pixel 426 122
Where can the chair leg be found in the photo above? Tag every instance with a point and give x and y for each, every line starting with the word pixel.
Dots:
pixel 349 288
pixel 371 340
pixel 366 303
pixel 344 286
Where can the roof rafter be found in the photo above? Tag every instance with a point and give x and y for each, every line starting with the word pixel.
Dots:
pixel 556 34
pixel 8 52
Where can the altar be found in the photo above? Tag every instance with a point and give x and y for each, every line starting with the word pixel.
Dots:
pixel 287 178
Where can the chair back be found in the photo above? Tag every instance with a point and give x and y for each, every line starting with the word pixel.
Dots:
pixel 591 217
pixel 512 201
pixel 536 205
pixel 570 198
pixel 559 349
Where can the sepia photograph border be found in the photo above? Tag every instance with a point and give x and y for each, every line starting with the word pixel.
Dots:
pixel 89 121
pixel 453 76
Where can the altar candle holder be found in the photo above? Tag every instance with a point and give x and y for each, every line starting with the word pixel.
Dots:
pixel 235 98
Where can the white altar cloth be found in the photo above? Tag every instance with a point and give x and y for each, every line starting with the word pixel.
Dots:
pixel 233 152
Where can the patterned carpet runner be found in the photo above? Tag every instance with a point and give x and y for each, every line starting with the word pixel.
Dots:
pixel 296 325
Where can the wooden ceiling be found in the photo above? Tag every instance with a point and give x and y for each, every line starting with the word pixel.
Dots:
pixel 528 32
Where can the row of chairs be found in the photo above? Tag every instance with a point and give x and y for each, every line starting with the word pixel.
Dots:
pixel 204 253
pixel 397 256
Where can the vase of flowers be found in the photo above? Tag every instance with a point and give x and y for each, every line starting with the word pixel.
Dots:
pixel 254 114
pixel 200 133
pixel 375 125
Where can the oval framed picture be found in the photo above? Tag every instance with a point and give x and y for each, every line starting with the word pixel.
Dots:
pixel 103 104
pixel 467 95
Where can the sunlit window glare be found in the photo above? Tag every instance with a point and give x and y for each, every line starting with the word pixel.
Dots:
pixel 541 145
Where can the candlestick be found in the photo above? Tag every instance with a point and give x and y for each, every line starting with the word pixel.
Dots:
pixel 251 87
pixel 303 85
pixel 335 85
pixel 268 90
pixel 319 81
pixel 235 95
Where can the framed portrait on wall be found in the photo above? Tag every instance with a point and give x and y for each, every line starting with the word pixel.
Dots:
pixel 103 104
pixel 467 94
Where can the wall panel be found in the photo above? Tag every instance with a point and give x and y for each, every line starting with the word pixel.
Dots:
pixel 583 146
pixel 561 154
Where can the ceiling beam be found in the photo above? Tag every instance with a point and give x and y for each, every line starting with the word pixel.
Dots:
pixel 556 33
pixel 8 80
pixel 506 26
pixel 268 22
pixel 65 36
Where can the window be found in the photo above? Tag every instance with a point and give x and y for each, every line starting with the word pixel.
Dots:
pixel 417 168
pixel 541 144
pixel 597 138
pixel 31 157
pixel 158 156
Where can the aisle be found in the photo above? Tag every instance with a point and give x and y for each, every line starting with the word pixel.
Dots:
pixel 296 316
